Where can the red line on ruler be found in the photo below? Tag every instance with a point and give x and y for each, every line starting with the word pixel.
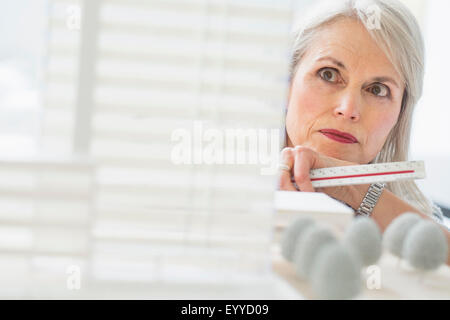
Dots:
pixel 363 175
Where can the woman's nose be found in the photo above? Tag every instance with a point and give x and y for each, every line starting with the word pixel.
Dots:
pixel 349 107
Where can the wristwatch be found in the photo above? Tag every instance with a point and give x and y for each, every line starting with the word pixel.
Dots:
pixel 370 199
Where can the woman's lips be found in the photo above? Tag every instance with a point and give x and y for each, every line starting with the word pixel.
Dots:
pixel 339 136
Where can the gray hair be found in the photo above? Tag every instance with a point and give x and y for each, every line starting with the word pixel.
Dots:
pixel 398 34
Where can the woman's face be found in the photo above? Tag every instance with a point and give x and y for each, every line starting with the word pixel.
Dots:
pixel 344 82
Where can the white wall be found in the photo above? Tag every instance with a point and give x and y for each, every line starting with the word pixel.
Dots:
pixel 431 131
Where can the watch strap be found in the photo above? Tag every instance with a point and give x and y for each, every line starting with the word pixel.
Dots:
pixel 370 199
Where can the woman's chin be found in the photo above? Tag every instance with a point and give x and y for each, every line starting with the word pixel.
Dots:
pixel 333 149
pixel 336 152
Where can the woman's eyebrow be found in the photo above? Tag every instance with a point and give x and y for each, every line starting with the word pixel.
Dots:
pixel 341 65
pixel 333 60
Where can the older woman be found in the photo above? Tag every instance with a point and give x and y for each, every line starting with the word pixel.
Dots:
pixel 356 75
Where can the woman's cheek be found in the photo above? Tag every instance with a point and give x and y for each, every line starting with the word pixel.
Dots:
pixel 308 102
pixel 387 121
pixel 380 128
pixel 311 99
pixel 294 125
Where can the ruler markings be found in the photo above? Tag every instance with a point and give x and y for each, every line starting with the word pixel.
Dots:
pixel 369 173
pixel 363 175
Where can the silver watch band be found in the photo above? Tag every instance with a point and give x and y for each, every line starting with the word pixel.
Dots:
pixel 370 199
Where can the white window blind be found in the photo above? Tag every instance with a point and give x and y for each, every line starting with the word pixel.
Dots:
pixel 46 211
pixel 116 89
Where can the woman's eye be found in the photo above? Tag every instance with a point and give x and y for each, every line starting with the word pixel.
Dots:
pixel 380 90
pixel 328 74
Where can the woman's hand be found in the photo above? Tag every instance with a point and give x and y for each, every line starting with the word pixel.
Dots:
pixel 301 160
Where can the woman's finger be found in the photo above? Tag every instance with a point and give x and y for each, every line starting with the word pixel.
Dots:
pixel 287 158
pixel 304 161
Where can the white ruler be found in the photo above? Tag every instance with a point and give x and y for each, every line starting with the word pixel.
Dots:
pixel 367 173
